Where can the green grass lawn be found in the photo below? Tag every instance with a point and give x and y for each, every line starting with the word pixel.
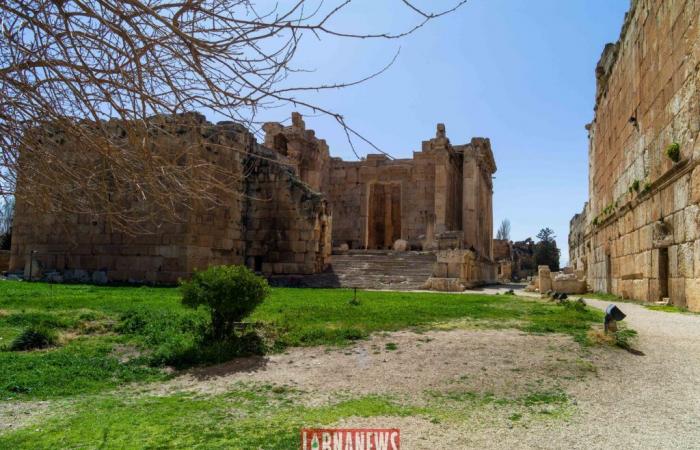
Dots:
pixel 100 324
pixel 251 417
pixel 111 336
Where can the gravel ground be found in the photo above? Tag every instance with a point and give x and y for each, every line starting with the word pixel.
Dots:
pixel 635 402
pixel 464 359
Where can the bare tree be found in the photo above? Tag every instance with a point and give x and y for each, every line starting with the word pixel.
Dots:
pixel 67 67
pixel 504 230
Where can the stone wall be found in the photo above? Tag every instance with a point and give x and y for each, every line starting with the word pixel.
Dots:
pixel 4 260
pixel 641 238
pixel 279 226
pixel 577 240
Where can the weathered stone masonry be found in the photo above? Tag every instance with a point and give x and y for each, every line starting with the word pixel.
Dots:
pixel 277 217
pixel 639 236
pixel 439 200
pixel 278 226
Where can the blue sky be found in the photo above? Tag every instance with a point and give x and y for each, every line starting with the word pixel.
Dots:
pixel 520 72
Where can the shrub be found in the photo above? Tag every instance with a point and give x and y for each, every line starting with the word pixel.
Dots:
pixel 635 185
pixel 623 338
pixel 34 337
pixel 229 293
pixel 673 151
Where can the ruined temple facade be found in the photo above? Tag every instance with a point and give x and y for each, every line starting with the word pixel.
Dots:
pixel 299 203
pixel 442 197
pixel 270 220
pixel 639 234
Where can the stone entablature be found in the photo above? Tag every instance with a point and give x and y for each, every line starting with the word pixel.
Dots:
pixel 641 236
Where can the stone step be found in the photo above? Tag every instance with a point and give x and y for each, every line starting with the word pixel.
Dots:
pixel 371 270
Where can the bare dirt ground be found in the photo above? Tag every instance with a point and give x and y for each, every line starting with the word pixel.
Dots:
pixel 650 401
pixel 621 400
pixel 475 360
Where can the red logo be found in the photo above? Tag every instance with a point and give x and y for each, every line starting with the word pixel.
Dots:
pixel 350 439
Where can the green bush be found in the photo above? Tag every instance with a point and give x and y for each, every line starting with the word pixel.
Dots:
pixel 34 337
pixel 673 151
pixel 635 186
pixel 229 293
pixel 624 338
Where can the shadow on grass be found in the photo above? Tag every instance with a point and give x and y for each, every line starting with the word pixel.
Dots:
pixel 246 364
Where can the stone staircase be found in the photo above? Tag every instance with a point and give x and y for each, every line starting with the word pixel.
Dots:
pixel 371 269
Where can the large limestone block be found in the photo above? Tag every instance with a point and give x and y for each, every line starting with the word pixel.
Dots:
pixel 676 287
pixel 444 284
pixel 695 183
pixel 685 260
pixel 692 222
pixel 545 279
pixel 400 245
pixel 692 294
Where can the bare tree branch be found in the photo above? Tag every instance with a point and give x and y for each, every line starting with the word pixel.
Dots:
pixel 104 76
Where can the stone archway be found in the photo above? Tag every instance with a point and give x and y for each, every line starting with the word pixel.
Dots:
pixel 384 218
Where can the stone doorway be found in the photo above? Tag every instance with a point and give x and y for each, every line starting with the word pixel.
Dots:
pixel 384 218
pixel 608 274
pixel 663 273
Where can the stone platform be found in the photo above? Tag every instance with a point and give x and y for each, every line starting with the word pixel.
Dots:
pixel 369 269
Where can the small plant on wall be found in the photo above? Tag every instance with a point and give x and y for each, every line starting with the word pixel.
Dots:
pixel 635 186
pixel 673 151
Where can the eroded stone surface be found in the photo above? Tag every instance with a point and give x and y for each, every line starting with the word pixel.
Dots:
pixel 638 233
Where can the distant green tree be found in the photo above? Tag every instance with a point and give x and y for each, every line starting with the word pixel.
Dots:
pixel 546 251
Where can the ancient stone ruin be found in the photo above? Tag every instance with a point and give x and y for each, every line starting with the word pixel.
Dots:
pixel 639 234
pixel 297 203
pixel 515 260
pixel 273 223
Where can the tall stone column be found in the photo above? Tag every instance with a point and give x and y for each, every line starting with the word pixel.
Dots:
pixel 442 159
pixel 469 200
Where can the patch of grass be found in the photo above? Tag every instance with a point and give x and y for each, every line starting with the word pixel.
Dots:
pixel 459 406
pixel 624 337
pixel 35 337
pixel 82 366
pixel 669 309
pixel 391 346
pixel 303 317
pixel 602 296
pixel 544 398
pixel 240 419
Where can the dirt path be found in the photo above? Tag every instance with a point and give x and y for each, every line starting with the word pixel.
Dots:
pixel 633 401
pixel 404 362
pixel 650 401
